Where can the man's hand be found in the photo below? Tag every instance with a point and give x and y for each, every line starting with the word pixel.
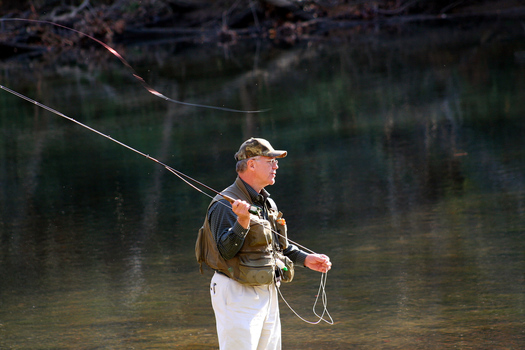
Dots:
pixel 240 208
pixel 318 262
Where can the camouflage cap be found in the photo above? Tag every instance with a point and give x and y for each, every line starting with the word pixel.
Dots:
pixel 254 147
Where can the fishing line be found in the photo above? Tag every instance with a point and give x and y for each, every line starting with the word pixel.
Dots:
pixel 133 72
pixel 322 293
pixel 192 183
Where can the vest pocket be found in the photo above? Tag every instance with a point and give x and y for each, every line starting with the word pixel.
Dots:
pixel 286 275
pixel 260 233
pixel 255 270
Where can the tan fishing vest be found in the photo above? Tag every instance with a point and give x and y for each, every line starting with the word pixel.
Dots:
pixel 256 261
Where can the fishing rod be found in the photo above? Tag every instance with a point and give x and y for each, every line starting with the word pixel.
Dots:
pixel 186 178
pixel 130 68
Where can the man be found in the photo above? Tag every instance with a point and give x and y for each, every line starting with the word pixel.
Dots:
pixel 245 242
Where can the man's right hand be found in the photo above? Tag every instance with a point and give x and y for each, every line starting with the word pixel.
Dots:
pixel 240 208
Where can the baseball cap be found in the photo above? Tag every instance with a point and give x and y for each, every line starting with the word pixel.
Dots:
pixel 254 147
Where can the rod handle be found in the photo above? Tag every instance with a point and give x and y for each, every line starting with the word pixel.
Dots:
pixel 253 209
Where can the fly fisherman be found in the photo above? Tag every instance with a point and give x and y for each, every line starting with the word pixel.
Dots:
pixel 245 243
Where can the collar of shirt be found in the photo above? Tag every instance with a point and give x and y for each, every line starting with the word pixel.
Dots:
pixel 257 198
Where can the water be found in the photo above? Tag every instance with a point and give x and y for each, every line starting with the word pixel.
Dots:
pixel 406 166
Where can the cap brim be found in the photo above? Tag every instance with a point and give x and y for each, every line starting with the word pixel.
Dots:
pixel 277 154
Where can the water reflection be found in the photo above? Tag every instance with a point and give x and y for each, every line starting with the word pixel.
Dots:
pixel 406 166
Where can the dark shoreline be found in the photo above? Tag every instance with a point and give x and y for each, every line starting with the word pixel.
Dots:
pixel 197 24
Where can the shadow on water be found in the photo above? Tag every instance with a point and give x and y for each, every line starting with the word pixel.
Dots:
pixel 406 166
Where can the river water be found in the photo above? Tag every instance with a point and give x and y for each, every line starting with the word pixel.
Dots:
pixel 406 165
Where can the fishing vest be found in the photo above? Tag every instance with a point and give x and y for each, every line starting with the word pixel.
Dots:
pixel 257 262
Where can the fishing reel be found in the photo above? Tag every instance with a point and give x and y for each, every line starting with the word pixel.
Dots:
pixel 255 210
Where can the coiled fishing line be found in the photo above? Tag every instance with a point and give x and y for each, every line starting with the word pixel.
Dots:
pixel 324 298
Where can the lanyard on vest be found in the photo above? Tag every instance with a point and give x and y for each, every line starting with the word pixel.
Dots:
pixel 275 241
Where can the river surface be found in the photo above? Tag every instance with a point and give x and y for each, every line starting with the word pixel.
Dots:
pixel 406 165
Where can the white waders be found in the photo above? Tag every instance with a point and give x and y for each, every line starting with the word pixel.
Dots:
pixel 247 316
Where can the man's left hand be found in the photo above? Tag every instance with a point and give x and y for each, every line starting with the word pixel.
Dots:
pixel 318 262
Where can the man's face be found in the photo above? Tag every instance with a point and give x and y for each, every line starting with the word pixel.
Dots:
pixel 265 170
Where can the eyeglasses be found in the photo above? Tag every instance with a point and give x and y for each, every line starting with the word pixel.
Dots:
pixel 271 162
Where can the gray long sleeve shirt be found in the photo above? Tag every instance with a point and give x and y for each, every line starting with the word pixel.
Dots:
pixel 229 234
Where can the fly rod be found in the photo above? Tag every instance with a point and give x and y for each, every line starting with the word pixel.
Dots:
pixel 253 209
pixel 188 180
